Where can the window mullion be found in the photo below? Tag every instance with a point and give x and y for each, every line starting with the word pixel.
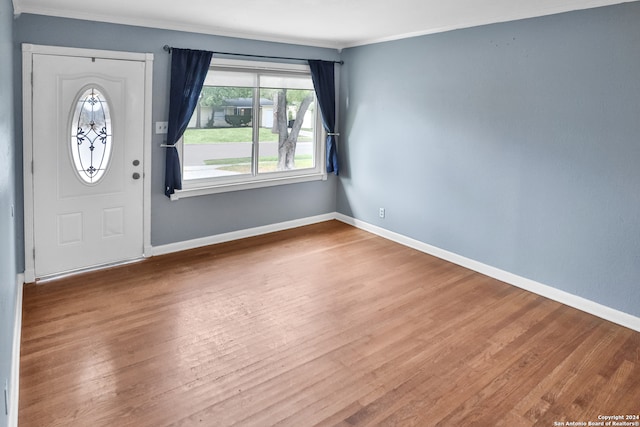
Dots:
pixel 255 125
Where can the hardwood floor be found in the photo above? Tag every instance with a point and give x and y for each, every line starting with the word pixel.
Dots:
pixel 321 325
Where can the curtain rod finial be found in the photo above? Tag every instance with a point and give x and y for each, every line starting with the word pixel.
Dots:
pixel 166 48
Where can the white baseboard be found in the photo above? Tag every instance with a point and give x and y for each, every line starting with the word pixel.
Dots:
pixel 563 297
pixel 15 356
pixel 240 234
pixel 583 304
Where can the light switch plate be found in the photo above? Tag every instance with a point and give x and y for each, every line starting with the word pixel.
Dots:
pixel 162 127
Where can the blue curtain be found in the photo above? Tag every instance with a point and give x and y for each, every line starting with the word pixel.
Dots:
pixel 188 71
pixel 322 73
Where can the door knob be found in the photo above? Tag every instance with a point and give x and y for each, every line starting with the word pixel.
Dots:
pixel 136 175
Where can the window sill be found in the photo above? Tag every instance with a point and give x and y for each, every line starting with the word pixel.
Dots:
pixel 202 190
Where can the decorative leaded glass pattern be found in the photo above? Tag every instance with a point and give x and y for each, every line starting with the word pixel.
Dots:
pixel 91 135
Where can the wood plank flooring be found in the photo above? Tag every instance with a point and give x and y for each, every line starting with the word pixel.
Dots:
pixel 320 325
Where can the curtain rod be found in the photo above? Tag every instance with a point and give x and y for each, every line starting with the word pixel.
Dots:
pixel 168 48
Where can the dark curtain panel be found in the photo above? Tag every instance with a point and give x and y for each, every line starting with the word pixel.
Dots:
pixel 322 73
pixel 188 70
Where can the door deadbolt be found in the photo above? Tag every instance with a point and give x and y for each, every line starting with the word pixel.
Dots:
pixel 136 162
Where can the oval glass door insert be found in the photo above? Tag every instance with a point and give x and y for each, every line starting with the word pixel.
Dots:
pixel 91 135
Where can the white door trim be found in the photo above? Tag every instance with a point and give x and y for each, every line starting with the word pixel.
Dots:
pixel 28 50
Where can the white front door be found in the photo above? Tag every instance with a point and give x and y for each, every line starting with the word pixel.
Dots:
pixel 88 118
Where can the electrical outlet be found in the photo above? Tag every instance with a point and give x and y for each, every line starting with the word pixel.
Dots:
pixel 381 212
pixel 162 127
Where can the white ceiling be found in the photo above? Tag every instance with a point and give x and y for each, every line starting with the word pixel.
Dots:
pixel 327 23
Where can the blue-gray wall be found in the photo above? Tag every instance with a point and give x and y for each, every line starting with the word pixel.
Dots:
pixel 7 202
pixel 199 216
pixel 514 144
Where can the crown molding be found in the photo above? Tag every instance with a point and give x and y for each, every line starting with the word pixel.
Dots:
pixel 497 19
pixel 339 45
pixel 175 26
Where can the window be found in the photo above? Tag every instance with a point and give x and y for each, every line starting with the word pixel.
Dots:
pixel 90 141
pixel 255 125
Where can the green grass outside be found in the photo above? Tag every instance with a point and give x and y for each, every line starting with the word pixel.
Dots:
pixel 266 164
pixel 226 135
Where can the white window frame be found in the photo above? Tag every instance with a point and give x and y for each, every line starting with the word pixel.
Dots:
pixel 200 187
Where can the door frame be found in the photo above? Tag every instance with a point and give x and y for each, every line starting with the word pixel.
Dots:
pixel 28 50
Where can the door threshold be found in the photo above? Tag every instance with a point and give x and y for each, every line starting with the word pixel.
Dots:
pixel 51 277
